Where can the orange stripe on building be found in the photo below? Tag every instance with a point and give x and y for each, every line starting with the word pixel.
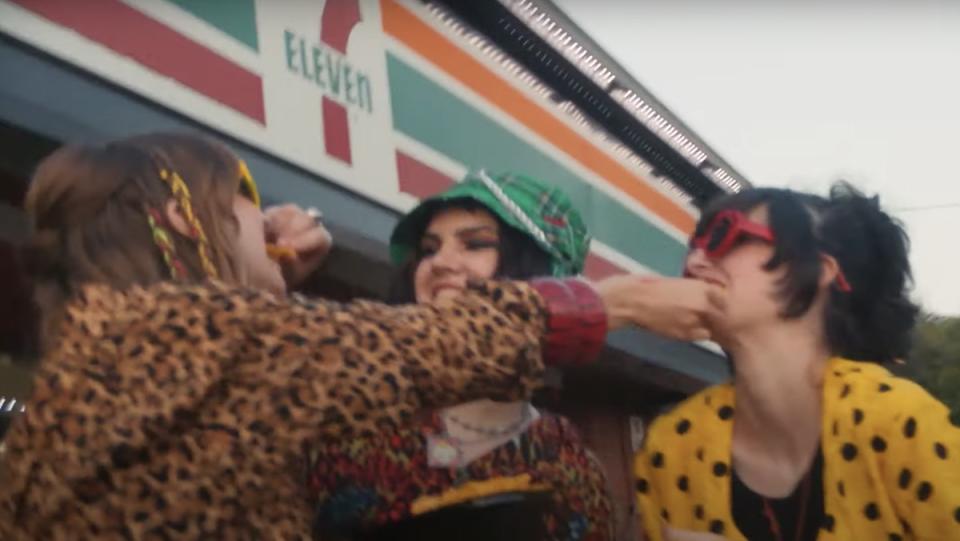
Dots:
pixel 406 27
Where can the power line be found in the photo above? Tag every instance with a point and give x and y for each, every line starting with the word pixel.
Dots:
pixel 920 208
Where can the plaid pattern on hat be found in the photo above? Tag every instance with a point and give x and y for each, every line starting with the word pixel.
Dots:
pixel 543 212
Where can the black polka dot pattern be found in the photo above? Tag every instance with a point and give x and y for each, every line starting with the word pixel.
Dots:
pixel 642 486
pixel 911 452
pixel 725 412
pixel 940 450
pixel 878 444
pixel 904 479
pixel 910 428
pixel 924 491
pixel 849 451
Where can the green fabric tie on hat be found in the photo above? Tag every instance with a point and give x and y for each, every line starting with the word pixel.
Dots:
pixel 542 212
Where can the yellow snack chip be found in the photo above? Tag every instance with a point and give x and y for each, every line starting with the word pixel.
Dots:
pixel 279 253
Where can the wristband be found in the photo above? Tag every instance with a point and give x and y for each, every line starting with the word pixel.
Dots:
pixel 576 321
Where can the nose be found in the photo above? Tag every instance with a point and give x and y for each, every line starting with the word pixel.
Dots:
pixel 445 259
pixel 696 262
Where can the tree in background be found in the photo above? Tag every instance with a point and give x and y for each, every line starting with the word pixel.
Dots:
pixel 935 360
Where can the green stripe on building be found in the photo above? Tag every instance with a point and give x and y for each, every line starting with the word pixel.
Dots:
pixel 236 18
pixel 437 118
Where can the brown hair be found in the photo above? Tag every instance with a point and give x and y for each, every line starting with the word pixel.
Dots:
pixel 89 206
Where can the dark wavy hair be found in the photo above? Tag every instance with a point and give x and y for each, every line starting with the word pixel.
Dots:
pixel 873 322
pixel 521 258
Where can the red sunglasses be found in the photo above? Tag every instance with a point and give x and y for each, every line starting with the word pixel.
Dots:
pixel 729 227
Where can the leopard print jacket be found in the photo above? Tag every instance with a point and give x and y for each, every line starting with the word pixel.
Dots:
pixel 182 412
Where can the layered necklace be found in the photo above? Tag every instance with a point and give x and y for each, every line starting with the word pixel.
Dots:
pixel 446 449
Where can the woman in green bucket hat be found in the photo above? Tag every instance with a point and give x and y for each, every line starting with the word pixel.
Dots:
pixel 485 469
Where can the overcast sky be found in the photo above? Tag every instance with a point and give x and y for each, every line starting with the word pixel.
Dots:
pixel 800 93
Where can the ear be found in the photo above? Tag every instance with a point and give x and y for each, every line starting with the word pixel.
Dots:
pixel 829 269
pixel 175 218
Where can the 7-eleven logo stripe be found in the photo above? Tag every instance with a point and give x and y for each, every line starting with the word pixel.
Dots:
pixel 336 23
pixel 154 45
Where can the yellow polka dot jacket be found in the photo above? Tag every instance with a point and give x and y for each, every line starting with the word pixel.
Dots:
pixel 891 461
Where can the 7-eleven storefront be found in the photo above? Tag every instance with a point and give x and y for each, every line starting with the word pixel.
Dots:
pixel 360 108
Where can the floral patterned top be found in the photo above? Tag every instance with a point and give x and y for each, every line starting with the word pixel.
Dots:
pixel 376 481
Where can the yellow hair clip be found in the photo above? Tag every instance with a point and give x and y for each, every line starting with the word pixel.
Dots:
pixel 181 194
pixel 249 189
pixel 247 186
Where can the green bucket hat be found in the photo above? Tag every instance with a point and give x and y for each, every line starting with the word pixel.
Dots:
pixel 542 212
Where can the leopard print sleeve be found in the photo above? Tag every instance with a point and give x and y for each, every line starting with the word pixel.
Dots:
pixel 345 368
pixel 325 369
pixel 158 403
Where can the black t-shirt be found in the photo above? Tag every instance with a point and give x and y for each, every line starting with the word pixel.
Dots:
pixel 752 521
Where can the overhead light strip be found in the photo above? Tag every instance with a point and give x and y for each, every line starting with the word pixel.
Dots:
pixel 9 405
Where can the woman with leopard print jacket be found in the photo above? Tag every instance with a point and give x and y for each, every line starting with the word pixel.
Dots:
pixel 174 400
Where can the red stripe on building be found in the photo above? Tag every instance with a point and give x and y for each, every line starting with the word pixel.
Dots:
pixel 597 268
pixel 158 47
pixel 419 179
pixel 336 130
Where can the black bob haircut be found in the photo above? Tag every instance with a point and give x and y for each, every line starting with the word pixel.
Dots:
pixel 520 257
pixel 873 322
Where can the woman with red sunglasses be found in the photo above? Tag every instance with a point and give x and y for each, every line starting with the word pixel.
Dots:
pixel 812 438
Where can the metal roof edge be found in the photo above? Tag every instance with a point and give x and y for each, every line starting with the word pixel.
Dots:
pixel 624 79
